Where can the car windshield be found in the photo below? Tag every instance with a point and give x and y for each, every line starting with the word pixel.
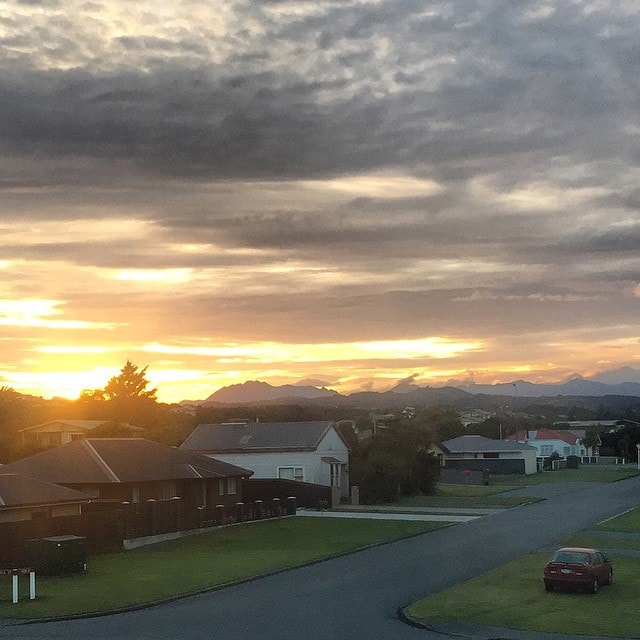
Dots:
pixel 571 557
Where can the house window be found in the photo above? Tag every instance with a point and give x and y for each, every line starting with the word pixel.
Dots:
pixel 566 451
pixel 220 487
pixel 135 494
pixel 491 454
pixel 168 490
pixel 546 450
pixel 231 486
pixel 291 473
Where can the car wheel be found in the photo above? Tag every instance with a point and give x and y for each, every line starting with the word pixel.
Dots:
pixel 548 587
pixel 595 585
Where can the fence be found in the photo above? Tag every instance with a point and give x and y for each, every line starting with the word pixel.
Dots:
pixel 306 494
pixel 106 525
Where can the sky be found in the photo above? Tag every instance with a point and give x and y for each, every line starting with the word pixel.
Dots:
pixel 340 193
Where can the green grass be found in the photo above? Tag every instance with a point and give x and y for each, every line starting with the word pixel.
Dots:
pixel 603 542
pixel 465 496
pixel 496 492
pixel 161 571
pixel 628 522
pixel 524 603
pixel 585 473
pixel 463 502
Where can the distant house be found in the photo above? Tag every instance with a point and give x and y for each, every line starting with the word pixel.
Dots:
pixel 475 416
pixel 478 453
pixel 25 498
pixel 59 432
pixel 549 441
pixel 136 470
pixel 304 451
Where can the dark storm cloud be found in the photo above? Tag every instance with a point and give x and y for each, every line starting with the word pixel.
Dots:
pixel 484 83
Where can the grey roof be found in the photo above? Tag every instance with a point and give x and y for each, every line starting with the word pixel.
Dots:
pixel 22 491
pixel 257 436
pixel 480 444
pixel 117 460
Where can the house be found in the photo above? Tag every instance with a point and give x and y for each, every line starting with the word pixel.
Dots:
pixel 475 416
pixel 135 470
pixel 549 441
pixel 57 432
pixel 26 498
pixel 478 453
pixel 304 451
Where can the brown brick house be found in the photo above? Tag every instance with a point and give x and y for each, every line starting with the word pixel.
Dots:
pixel 25 498
pixel 136 470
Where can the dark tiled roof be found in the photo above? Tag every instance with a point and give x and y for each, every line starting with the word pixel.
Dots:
pixel 257 436
pixel 109 460
pixel 22 491
pixel 480 444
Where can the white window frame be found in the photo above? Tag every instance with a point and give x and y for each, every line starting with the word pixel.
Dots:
pixel 232 485
pixel 298 472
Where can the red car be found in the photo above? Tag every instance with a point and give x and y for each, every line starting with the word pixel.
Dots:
pixel 578 568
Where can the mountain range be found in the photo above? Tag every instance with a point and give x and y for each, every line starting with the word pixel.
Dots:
pixel 619 382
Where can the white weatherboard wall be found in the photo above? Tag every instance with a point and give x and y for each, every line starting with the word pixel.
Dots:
pixel 266 464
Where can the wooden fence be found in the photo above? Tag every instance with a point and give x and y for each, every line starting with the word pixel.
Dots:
pixel 106 525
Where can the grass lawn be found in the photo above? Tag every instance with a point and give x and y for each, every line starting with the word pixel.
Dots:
pixel 628 522
pixel 495 493
pixel 513 596
pixel 198 562
pixel 585 473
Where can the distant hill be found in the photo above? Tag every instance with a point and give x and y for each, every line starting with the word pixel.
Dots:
pixel 256 391
pixel 575 387
pixel 408 393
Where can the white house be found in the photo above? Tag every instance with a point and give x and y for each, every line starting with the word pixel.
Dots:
pixel 303 451
pixel 480 453
pixel 549 441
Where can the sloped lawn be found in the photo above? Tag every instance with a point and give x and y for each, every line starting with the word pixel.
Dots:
pixel 513 596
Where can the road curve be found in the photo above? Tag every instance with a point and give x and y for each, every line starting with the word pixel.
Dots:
pixel 356 597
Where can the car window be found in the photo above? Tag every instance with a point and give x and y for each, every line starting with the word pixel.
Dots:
pixel 571 557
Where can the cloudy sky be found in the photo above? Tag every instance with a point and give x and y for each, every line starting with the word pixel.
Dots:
pixel 343 192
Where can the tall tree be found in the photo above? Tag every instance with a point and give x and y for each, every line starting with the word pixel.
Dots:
pixel 131 383
pixel 125 398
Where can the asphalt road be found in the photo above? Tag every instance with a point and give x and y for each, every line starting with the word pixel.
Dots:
pixel 356 597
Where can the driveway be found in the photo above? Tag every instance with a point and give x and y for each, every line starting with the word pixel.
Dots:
pixel 356 597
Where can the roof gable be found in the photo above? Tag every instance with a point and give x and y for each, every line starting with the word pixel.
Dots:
pixel 22 491
pixel 258 436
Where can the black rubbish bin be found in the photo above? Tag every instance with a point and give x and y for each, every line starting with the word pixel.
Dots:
pixel 58 555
